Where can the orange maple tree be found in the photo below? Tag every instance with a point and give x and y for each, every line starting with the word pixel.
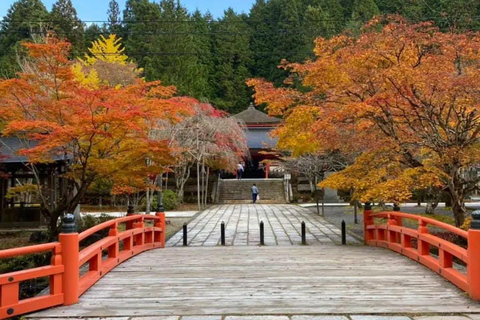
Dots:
pixel 406 97
pixel 101 133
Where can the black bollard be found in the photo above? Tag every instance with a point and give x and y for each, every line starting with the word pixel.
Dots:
pixel 222 233
pixel 262 234
pixel 185 241
pixel 304 233
pixel 344 232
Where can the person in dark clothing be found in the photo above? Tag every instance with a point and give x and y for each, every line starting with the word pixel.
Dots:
pixel 254 193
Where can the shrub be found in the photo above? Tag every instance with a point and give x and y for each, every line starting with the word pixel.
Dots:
pixel 170 201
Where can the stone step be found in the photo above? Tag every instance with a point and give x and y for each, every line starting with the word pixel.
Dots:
pixel 239 191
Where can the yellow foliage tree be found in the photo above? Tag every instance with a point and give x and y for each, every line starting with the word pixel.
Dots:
pixel 107 65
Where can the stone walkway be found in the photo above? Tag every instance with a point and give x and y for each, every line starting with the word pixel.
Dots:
pixel 282 226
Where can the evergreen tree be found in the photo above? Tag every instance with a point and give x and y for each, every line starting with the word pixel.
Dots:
pixel 362 12
pixel 141 20
pixel 261 41
pixel 232 58
pixel 67 25
pixel 92 33
pixel 202 47
pixel 113 14
pixel 458 15
pixel 23 19
pixel 180 65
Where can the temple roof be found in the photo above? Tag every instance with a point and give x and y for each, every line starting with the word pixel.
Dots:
pixel 252 116
pixel 9 147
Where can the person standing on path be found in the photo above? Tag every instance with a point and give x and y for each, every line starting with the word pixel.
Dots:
pixel 239 171
pixel 254 193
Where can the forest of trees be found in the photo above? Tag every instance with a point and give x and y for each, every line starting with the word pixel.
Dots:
pixel 208 58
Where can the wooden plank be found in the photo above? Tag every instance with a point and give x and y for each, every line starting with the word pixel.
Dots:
pixel 268 280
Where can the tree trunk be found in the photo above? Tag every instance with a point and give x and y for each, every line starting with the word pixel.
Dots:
pixel 181 177
pixel 206 187
pixel 148 201
pixel 457 195
pixel 312 185
pixel 202 190
pixel 198 186
pixel 459 211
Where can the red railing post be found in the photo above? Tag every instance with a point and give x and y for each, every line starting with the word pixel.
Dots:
pixel 56 283
pixel 161 224
pixel 367 220
pixel 70 257
pixel 423 247
pixel 473 267
pixel 130 212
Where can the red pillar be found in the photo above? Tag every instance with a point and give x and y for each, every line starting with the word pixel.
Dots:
pixel 473 268
pixel 367 220
pixel 161 224
pixel 70 258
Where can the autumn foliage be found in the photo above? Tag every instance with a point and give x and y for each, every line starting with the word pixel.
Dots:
pixel 404 98
pixel 101 131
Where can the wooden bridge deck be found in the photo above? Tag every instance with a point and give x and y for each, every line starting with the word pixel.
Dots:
pixel 271 280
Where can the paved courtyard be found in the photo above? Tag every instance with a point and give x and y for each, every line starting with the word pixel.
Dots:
pixel 282 224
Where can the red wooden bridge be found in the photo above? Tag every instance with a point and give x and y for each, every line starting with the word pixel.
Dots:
pixel 229 280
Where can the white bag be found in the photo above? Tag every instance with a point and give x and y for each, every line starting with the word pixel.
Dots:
pixel 258 197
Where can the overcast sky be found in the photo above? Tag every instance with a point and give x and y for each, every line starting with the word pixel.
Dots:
pixel 96 10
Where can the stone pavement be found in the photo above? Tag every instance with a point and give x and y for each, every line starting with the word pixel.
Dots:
pixel 168 214
pixel 282 225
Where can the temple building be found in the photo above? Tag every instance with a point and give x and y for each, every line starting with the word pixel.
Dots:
pixel 23 208
pixel 263 161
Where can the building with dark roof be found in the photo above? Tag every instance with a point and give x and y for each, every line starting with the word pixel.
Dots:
pixel 260 144
pixel 15 170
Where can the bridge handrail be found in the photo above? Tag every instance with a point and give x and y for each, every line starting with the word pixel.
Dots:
pixel 392 234
pixel 14 252
pixel 66 283
pixel 108 224
pixel 422 220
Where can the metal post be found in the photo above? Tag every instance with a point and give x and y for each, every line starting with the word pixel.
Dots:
pixel 355 208
pixel 344 232
pixel 304 231
pixel 316 195
pixel 185 240
pixel 262 234
pixel 222 232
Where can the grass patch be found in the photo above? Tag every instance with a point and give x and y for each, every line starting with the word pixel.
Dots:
pixel 174 225
pixel 440 217
pixel 13 239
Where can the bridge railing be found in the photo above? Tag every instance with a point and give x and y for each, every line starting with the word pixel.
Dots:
pixel 74 268
pixel 454 262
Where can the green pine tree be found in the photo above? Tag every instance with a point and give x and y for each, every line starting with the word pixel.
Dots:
pixel 232 57
pixel 140 27
pixel 67 25
pixel 24 19
pixel 113 14
pixel 362 12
